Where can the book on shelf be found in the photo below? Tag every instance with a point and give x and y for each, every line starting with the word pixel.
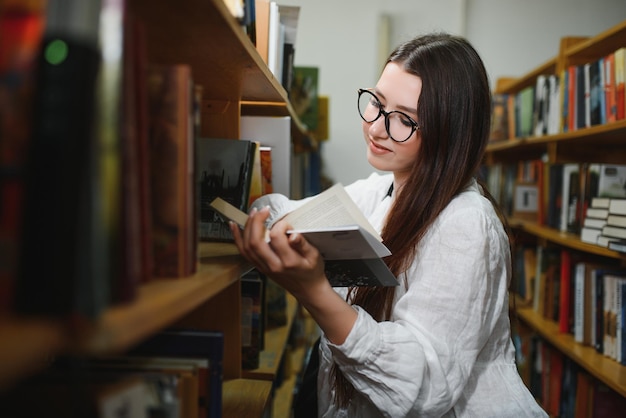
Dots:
pixel 618 245
pixel 609 88
pixel 99 394
pixel 304 95
pixel 525 112
pixel 21 32
pixel 620 82
pixel 183 381
pixel 614 231
pixel 499 118
pixel 204 348
pixel 172 153
pixel 352 248
pixel 541 105
pixel 225 168
pixel 71 206
pixel 617 206
pixel 570 194
pixel 252 319
pixel 256 176
pixel 274 132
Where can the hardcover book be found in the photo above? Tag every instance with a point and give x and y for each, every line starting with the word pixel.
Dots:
pixel 224 168
pixel 352 249
pixel 170 96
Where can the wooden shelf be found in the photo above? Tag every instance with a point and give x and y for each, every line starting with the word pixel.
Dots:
pixel 161 302
pixel 603 368
pixel 27 345
pixel 564 239
pixel 600 143
pixel 235 79
pixel 246 398
pixel 275 343
pixel 203 34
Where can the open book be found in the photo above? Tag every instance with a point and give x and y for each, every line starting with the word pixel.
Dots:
pixel 331 221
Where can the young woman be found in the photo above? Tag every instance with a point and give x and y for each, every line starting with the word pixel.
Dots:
pixel 438 345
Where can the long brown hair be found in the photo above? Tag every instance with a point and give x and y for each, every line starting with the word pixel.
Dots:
pixel 453 112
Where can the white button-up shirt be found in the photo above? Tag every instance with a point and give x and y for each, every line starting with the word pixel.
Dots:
pixel 446 350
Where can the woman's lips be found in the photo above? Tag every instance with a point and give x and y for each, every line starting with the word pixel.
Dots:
pixel 377 149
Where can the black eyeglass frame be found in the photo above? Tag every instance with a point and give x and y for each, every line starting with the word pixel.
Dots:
pixel 414 125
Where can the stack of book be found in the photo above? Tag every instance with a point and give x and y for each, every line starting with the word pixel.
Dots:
pixel 595 219
pixel 614 232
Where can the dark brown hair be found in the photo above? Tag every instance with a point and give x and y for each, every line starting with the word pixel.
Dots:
pixel 453 112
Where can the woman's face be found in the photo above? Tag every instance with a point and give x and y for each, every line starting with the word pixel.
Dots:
pixel 397 90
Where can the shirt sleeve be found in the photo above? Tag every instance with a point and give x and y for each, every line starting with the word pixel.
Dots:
pixel 420 361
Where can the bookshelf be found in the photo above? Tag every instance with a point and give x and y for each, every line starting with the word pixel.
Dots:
pixel 603 143
pixel 236 81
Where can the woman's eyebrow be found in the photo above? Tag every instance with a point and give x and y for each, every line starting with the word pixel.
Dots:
pixel 411 110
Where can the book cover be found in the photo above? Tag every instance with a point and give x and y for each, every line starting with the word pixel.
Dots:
pixel 329 218
pixel 224 168
pixel 612 181
pixel 266 170
pixel 171 138
pixel 71 195
pixel 541 105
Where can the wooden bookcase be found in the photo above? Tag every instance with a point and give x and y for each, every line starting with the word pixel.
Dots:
pixel 236 81
pixel 596 144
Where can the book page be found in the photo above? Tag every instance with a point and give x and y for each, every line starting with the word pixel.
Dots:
pixel 332 207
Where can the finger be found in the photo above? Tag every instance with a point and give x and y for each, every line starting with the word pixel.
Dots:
pixel 255 244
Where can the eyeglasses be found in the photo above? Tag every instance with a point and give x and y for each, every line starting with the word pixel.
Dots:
pixel 399 125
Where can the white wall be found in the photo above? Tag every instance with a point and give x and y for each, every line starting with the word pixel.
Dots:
pixel 341 38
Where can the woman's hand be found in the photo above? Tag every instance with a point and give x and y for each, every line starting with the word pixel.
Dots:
pixel 289 260
pixel 296 265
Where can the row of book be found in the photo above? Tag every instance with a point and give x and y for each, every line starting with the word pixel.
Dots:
pixel 582 295
pixel 106 186
pixel 581 96
pixel 556 195
pixel 176 373
pixel 560 385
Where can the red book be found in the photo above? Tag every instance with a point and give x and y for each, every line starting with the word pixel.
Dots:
pixel 565 291
pixel 609 88
pixel 620 76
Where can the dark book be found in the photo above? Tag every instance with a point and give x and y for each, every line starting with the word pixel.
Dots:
pixel 252 319
pixel 171 141
pixel 192 343
pixel 71 196
pixel 555 196
pixel 580 97
pixel 597 113
pixel 21 32
pixel 224 169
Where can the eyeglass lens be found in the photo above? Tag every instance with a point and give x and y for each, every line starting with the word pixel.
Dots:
pixel 399 126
